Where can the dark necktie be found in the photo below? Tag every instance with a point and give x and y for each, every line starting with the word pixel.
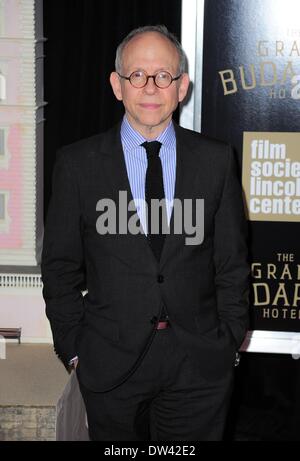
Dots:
pixel 154 189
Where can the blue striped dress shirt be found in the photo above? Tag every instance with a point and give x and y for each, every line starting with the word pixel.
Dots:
pixel 136 165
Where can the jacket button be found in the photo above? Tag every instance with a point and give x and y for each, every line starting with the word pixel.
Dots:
pixel 160 278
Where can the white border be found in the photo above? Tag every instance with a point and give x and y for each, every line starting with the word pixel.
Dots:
pixel 192 41
pixel 272 342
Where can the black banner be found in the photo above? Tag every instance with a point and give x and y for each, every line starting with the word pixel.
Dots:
pixel 251 99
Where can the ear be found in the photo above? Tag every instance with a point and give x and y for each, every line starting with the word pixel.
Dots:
pixel 116 85
pixel 183 87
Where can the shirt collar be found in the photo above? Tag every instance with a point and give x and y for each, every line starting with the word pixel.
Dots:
pixel 132 139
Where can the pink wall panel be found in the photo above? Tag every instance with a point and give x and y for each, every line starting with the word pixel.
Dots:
pixel 11 181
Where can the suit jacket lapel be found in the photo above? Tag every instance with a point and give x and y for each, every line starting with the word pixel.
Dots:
pixel 186 174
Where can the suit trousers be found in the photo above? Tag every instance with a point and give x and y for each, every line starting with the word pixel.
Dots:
pixel 166 398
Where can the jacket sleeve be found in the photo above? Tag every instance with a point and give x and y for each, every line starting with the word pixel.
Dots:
pixel 231 256
pixel 62 266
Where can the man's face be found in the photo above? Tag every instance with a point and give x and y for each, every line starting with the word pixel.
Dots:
pixel 149 109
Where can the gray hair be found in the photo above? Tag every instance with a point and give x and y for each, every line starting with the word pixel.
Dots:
pixel 160 29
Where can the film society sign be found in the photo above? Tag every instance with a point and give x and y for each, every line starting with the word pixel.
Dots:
pixel 271 183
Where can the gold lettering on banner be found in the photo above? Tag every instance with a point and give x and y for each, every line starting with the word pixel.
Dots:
pixel 281 294
pixel 283 299
pixel 286 271
pixel 267 72
pixel 266 292
pixel 286 257
pixel 253 78
pixel 293 314
pixel 263 51
pixel 288 69
pixel 295 48
pixel 271 175
pixel 279 48
pixel 271 271
pixel 267 76
pixel 282 314
pixel 296 295
pixel 256 270
pixel 263 68
pixel 230 79
pixel 293 32
pixel 265 48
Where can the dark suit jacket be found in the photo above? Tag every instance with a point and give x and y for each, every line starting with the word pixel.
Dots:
pixel 204 287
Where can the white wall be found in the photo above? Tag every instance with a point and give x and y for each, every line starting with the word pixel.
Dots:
pixel 25 308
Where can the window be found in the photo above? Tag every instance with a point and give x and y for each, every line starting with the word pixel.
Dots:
pixel 4 153
pixel 2 87
pixel 2 206
pixel 4 217
pixel 2 142
pixel 1 17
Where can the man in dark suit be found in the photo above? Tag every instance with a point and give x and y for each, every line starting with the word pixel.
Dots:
pixel 155 338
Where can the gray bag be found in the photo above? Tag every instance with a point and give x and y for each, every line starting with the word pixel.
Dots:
pixel 71 420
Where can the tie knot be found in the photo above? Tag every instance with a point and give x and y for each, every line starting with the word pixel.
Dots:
pixel 152 148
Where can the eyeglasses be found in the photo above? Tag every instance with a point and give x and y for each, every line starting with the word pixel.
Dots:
pixel 139 79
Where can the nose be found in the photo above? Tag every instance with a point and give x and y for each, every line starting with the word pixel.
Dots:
pixel 150 87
